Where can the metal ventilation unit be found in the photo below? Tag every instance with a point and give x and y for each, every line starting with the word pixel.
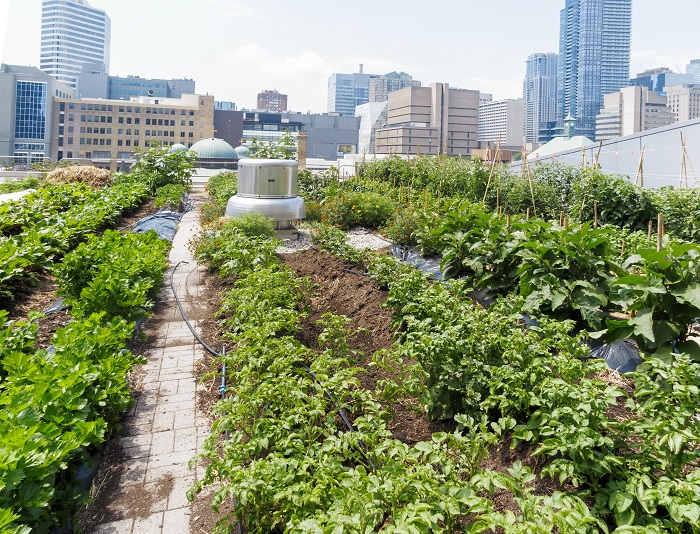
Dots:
pixel 268 186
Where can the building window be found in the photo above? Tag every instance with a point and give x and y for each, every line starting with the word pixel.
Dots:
pixel 119 142
pixel 30 110
pixel 121 120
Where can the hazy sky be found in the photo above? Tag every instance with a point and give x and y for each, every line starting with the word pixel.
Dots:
pixel 235 49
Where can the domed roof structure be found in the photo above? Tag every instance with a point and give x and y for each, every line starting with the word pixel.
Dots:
pixel 178 147
pixel 214 148
pixel 242 151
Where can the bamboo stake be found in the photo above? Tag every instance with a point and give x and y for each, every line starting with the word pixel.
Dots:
pixel 561 218
pixel 640 169
pixel 438 199
pixel 651 228
pixel 583 158
pixel 527 214
pixel 659 231
pixel 595 214
pixel 684 169
pixel 498 199
pixel 566 223
pixel 493 167
pixel 597 155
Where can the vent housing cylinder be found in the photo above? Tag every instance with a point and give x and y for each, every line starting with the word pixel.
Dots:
pixel 268 186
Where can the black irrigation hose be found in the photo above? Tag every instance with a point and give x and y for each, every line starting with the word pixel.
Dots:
pixel 184 317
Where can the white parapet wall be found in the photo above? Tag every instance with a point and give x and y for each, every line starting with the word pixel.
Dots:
pixel 661 164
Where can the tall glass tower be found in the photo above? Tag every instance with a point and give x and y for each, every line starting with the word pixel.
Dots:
pixel 540 95
pixel 73 33
pixel 594 57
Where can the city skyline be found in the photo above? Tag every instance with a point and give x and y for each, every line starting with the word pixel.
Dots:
pixel 233 51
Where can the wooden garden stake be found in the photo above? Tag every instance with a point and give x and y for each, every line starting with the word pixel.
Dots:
pixel 684 168
pixel 508 222
pixel 498 199
pixel 566 223
pixel 651 228
pixel 659 231
pixel 527 214
pixel 561 218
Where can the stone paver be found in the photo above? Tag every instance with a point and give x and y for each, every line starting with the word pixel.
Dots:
pixel 160 435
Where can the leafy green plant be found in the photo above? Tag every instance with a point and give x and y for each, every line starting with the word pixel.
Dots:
pixel 161 166
pixel 253 225
pixel 663 296
pixel 169 196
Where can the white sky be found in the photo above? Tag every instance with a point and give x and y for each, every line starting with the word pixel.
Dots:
pixel 234 49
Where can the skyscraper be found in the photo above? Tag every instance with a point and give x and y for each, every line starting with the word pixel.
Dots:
pixel 73 33
pixel 594 57
pixel 540 94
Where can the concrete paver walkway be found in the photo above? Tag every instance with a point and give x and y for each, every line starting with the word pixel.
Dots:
pixel 165 429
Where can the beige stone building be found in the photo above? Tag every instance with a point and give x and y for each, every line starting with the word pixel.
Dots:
pixel 684 101
pixel 105 133
pixel 632 110
pixel 430 120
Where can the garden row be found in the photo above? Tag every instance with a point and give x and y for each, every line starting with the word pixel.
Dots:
pixel 299 446
pixel 625 446
pixel 59 404
pixel 556 190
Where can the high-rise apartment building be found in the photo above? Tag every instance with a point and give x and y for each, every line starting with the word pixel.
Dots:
pixel 632 110
pixel 272 101
pixel 502 121
pixel 381 86
pixel 684 101
pixel 594 57
pixel 540 95
pixel 430 120
pixel 73 33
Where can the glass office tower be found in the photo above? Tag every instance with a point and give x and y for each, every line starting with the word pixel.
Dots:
pixel 73 33
pixel 594 57
pixel 540 94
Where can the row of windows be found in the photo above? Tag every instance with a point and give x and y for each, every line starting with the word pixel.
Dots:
pixel 121 109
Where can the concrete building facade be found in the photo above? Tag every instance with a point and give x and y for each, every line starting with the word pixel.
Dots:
pixel 272 101
pixel 684 101
pixel 632 110
pixel 594 58
pixel 504 121
pixel 73 33
pixel 540 95
pixel 26 118
pixel 106 132
pixel 430 120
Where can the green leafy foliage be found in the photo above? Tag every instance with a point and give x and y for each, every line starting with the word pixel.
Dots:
pixel 221 187
pixel 56 407
pixel 285 148
pixel 169 196
pixel 161 166
pixel 115 272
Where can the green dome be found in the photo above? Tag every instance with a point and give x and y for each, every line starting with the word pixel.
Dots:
pixel 178 147
pixel 242 151
pixel 214 149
